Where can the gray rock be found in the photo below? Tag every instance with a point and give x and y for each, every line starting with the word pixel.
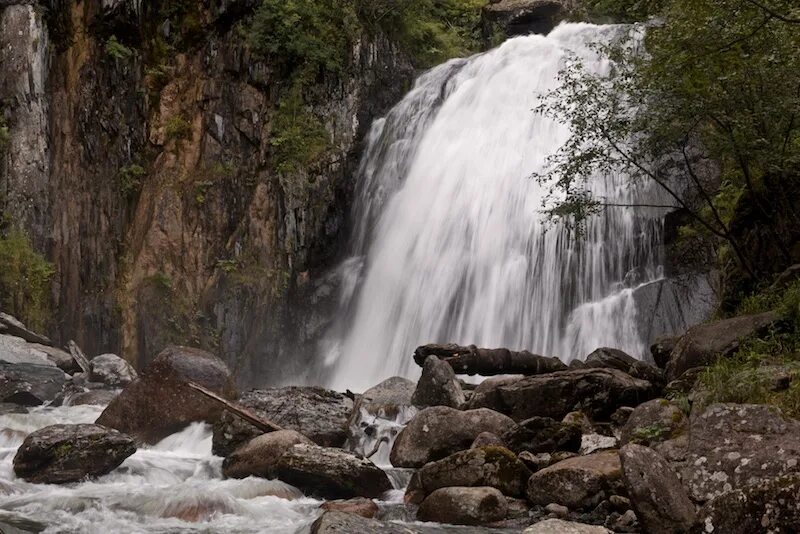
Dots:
pixel 535 462
pixel 96 397
pixel 767 506
pixel 16 350
pixel 58 357
pixel 661 503
pixel 616 359
pixel 542 434
pixel 111 370
pixel 580 420
pixel 317 413
pixel 438 385
pixel 463 506
pixel 30 384
pixel 654 421
pixel 60 454
pixel 557 509
pixel 258 456
pixel 487 393
pixel 359 506
pixel 14 327
pixel 521 17
pixel 440 431
pixel 703 344
pixel 558 526
pixel 662 348
pixel 337 522
pixel 487 439
pixel 388 397
pixel 578 483
pixel 329 473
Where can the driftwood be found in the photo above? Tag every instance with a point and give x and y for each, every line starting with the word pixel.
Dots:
pixel 265 425
pixel 79 357
pixel 488 362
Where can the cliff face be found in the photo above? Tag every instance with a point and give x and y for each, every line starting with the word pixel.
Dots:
pixel 147 175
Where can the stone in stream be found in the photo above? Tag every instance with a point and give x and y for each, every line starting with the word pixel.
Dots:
pixel 654 421
pixel 59 454
pixel 438 385
pixel 542 434
pixel 329 472
pixel 319 414
pixel 359 506
pixel 464 506
pixel 111 370
pixel 338 522
pixel 558 526
pixel 440 431
pixel 258 456
pixel 159 402
pixel 96 397
pixel 30 384
pixel 661 503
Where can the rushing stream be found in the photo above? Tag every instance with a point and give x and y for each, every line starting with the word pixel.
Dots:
pixel 450 243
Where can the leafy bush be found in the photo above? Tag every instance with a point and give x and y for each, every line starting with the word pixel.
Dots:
pixel 117 50
pixel 177 128
pixel 130 179
pixel 24 280
pixel 298 136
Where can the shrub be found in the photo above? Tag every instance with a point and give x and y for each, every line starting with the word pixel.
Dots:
pixel 177 128
pixel 24 280
pixel 117 50
pixel 130 180
pixel 298 136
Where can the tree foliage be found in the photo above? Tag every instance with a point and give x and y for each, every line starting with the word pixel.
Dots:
pixel 24 279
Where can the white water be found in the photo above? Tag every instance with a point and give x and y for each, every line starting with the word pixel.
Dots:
pixel 450 244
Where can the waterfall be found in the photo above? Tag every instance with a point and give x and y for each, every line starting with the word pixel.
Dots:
pixel 450 243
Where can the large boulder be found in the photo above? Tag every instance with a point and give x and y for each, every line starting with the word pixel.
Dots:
pixel 463 506
pixel 319 414
pixel 732 445
pixel 495 467
pixel 521 17
pixel 111 370
pixel 597 392
pixel 767 506
pixel 14 349
pixel 337 522
pixel 258 456
pixel 559 526
pixel 330 473
pixel 578 483
pixel 160 403
pixel 59 454
pixel 440 431
pixel 359 505
pixel 654 421
pixel 30 384
pixel 487 393
pixel 387 398
pixel 14 327
pixel 660 501
pixel 438 385
pixel 704 344
pixel 618 359
pixel 542 434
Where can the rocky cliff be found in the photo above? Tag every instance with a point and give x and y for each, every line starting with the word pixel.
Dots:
pixel 142 162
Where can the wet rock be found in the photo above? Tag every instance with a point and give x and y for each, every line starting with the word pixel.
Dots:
pixel 521 17
pixel 59 454
pixel 15 350
pixel 58 357
pixel 97 397
pixel 197 509
pixel 768 506
pixel 494 467
pixel 330 473
pixel 336 522
pixel 662 349
pixel 319 414
pixel 703 344
pixel 732 445
pixel 542 434
pixel 616 359
pixel 387 398
pixel 558 526
pixel 578 483
pixel 258 456
pixel 160 403
pixel 440 431
pixel 654 421
pixel 14 327
pixel 30 384
pixel 660 501
pixel 359 506
pixel 438 385
pixel 487 439
pixel 597 392
pixel 463 506
pixel 111 370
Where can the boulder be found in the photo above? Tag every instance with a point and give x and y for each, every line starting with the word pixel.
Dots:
pixel 654 421
pixel 580 420
pixel 440 431
pixel 660 501
pixel 542 434
pixel 578 483
pixel 704 344
pixel 616 359
pixel 58 357
pixel 661 350
pixel 463 506
pixel 14 327
pixel 387 398
pixel 767 506
pixel 732 445
pixel 257 457
pixel 359 506
pixel 487 439
pixel 521 17
pixel 30 384
pixel 487 393
pixel 438 385
pixel 535 462
pixel 95 397
pixel 597 442
pixel 111 370
pixel 329 473
pixel 494 467
pixel 559 526
pixel 336 522
pixel 16 350
pixel 59 454
pixel 160 403
pixel 319 414
pixel 597 392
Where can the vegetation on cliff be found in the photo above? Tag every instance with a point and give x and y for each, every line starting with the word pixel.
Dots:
pixel 24 279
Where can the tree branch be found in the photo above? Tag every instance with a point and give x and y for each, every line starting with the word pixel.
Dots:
pixel 773 13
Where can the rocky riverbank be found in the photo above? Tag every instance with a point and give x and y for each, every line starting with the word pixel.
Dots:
pixel 605 444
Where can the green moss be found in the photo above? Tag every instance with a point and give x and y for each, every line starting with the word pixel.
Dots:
pixel 650 432
pixel 5 138
pixel 25 278
pixel 298 136
pixel 177 127
pixel 130 180
pixel 117 50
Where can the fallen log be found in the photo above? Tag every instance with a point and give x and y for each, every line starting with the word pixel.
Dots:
pixel 260 423
pixel 489 362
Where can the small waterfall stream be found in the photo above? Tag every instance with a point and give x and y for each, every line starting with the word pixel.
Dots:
pixel 450 243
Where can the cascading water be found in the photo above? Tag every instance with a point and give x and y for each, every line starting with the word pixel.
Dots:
pixel 450 243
